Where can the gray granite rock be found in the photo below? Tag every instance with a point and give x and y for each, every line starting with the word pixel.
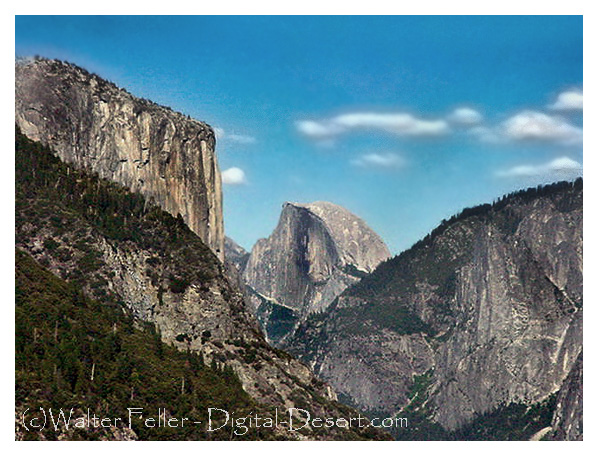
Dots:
pixel 567 420
pixel 491 302
pixel 314 253
pixel 92 124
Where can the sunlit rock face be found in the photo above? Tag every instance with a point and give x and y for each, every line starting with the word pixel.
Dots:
pixel 314 253
pixel 92 124
pixel 567 419
pixel 236 254
pixel 165 277
pixel 490 304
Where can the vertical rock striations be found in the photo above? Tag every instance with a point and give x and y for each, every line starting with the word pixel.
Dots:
pixel 314 253
pixel 236 255
pixel 567 420
pixel 140 258
pixel 92 124
pixel 489 306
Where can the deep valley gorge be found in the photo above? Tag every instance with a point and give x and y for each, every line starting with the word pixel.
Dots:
pixel 128 292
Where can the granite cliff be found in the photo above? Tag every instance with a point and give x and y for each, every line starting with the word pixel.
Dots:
pixel 314 253
pixel 92 124
pixel 485 311
pixel 567 419
pixel 236 255
pixel 118 249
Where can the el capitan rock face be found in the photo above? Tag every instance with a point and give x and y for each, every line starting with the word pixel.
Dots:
pixel 488 307
pixel 92 124
pixel 159 272
pixel 314 253
pixel 484 312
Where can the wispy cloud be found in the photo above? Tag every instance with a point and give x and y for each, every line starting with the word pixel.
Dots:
pixel 561 168
pixel 379 160
pixel 243 139
pixel 223 135
pixel 527 125
pixel 318 129
pixel 570 100
pixel 465 116
pixel 485 134
pixel 534 125
pixel 234 176
pixel 401 124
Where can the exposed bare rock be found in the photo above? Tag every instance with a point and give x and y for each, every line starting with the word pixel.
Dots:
pixel 159 271
pixel 357 244
pixel 567 420
pixel 236 255
pixel 92 124
pixel 314 253
pixel 490 302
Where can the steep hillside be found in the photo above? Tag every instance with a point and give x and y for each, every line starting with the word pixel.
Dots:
pixel 74 352
pixel 124 252
pixel 92 124
pixel 488 307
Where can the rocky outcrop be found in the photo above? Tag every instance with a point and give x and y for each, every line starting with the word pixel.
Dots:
pixel 490 303
pixel 236 255
pixel 314 253
pixel 92 124
pixel 567 419
pixel 160 272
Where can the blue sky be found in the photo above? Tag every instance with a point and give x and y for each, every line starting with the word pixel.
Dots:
pixel 403 120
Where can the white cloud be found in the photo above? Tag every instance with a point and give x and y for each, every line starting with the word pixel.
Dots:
pixel 233 176
pixel 401 124
pixel 485 134
pixel 222 135
pixel 465 116
pixel 316 129
pixel 377 160
pixel 533 125
pixel 242 139
pixel 570 100
pixel 561 168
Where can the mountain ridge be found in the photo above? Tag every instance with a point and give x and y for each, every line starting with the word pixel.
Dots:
pixel 470 299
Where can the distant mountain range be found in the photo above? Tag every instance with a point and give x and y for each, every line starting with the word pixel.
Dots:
pixel 482 318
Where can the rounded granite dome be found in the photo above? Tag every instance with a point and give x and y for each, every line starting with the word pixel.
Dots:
pixel 357 244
